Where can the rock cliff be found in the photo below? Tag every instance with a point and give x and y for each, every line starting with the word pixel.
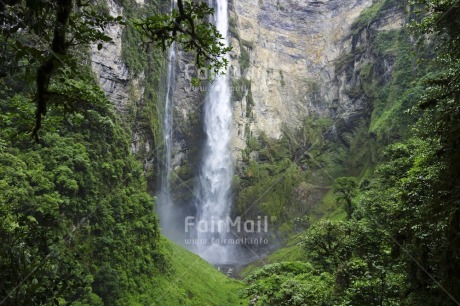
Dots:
pixel 126 88
pixel 291 59
pixel 110 70
pixel 285 66
pixel 292 49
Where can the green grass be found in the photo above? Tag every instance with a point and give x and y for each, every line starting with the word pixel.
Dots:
pixel 195 282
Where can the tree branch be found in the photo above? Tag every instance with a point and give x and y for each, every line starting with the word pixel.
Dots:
pixel 48 68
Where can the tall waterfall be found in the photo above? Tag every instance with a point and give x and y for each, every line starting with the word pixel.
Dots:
pixel 164 201
pixel 215 177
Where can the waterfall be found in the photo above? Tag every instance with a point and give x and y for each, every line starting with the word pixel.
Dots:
pixel 164 200
pixel 216 172
pixel 213 184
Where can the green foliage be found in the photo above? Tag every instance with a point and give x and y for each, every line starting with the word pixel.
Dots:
pixel 248 44
pixel 412 198
pixel 343 263
pixel 76 224
pixel 373 13
pixel 329 243
pixel 75 216
pixel 187 25
pixel 239 88
pixel 429 190
pixel 145 112
pixel 244 60
pixel 347 59
pixel 233 27
pixel 44 43
pixel 390 95
pixel 368 16
pixel 268 182
pixel 400 246
pixel 132 53
pixel 346 189
pixel 357 255
pixel 401 93
pixel 41 42
pixel 274 181
pixel 288 283
pixel 412 213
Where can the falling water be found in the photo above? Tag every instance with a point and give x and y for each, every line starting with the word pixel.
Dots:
pixel 216 171
pixel 164 202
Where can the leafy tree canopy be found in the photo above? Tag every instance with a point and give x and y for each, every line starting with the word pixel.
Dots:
pixel 40 37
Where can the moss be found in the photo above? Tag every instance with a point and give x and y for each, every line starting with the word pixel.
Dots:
pixel 132 42
pixel 240 86
pixel 249 103
pixel 389 42
pixel 276 168
pixel 131 52
pixel 368 16
pixel 373 13
pixel 232 22
pixel 248 44
pixel 354 92
pixel 365 72
pixel 247 134
pixel 244 59
pixel 253 144
pixel 293 250
pixel 233 28
pixel 404 88
pixel 347 60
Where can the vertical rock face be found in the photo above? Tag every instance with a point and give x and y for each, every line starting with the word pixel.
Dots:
pixel 290 50
pixel 122 88
pixel 111 72
pixel 293 45
pixel 188 101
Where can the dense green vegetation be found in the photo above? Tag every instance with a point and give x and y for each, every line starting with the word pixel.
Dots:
pixel 76 224
pixel 73 207
pixel 78 228
pixel 278 172
pixel 398 242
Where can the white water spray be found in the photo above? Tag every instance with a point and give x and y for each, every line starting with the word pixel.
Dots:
pixel 215 177
pixel 164 202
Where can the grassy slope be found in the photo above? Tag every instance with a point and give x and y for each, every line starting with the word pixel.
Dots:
pixel 195 282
